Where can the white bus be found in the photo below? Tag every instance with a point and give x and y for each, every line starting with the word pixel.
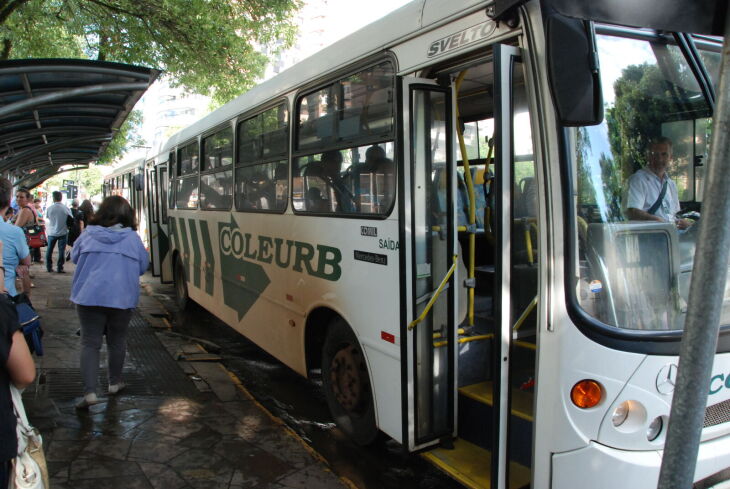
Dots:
pixel 432 213
pixel 127 181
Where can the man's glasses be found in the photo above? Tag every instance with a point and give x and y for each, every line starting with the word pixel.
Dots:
pixel 663 154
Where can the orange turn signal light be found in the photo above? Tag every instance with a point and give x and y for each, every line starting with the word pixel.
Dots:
pixel 586 394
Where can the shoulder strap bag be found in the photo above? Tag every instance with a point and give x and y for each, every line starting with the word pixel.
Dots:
pixel 652 210
pixel 29 470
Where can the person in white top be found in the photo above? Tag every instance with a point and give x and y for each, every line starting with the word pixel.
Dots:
pixel 57 231
pixel 652 195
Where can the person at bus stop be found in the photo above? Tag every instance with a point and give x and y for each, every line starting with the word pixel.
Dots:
pixel 26 216
pixel 16 366
pixel 57 215
pixel 15 250
pixel 88 212
pixel 652 195
pixel 36 252
pixel 109 258
pixel 76 225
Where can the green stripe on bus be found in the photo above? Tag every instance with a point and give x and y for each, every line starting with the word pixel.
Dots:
pixel 164 243
pixel 196 252
pixel 209 257
pixel 186 247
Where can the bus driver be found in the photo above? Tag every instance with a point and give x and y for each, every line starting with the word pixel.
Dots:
pixel 652 195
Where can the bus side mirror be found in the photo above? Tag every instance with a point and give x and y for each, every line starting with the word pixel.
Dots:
pixel 572 61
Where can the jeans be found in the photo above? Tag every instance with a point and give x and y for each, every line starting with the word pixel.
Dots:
pixel 52 240
pixel 96 321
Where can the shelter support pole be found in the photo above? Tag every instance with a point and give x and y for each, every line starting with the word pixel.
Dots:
pixel 709 277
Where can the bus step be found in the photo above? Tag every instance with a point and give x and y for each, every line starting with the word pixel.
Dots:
pixel 474 364
pixel 470 465
pixel 475 406
pixel 482 392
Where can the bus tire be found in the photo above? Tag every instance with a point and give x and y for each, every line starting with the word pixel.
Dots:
pixel 182 299
pixel 347 384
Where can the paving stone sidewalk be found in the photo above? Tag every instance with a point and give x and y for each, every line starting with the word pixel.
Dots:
pixel 182 422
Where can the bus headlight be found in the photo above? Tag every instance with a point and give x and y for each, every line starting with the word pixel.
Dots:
pixel 655 429
pixel 629 417
pixel 621 413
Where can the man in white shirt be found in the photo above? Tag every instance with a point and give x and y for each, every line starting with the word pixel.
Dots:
pixel 57 231
pixel 652 195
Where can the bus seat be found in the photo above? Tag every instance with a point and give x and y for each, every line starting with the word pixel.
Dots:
pixel 634 274
pixel 525 198
pixel 315 201
pixel 478 176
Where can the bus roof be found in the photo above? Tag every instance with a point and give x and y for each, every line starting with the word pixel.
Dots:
pixel 406 22
pixel 138 163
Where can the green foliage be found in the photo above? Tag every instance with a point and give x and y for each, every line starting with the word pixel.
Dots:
pixel 212 47
pixel 124 139
pixel 89 179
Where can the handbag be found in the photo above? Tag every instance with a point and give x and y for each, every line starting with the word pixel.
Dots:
pixel 36 235
pixel 29 469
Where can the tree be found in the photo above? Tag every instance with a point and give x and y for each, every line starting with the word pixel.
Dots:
pixel 89 179
pixel 211 47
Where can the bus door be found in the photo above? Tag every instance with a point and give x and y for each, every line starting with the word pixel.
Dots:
pixel 517 278
pixel 471 363
pixel 428 372
pixel 153 216
pixel 164 256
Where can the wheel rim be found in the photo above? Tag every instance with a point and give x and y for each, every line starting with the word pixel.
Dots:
pixel 347 378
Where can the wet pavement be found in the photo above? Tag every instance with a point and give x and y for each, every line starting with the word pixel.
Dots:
pixel 183 421
pixel 300 403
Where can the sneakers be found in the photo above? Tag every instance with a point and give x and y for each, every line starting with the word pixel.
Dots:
pixel 115 388
pixel 86 401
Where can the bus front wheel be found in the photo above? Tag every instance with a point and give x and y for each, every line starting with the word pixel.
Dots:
pixel 347 384
pixel 182 299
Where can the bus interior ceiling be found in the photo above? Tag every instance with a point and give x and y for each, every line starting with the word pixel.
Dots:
pixel 475 377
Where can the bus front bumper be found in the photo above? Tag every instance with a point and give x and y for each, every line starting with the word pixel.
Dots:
pixel 609 468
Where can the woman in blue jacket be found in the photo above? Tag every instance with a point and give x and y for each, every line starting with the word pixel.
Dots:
pixel 109 258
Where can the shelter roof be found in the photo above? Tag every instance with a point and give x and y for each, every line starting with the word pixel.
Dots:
pixel 59 112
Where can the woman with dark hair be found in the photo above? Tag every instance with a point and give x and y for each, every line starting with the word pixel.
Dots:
pixel 88 211
pixel 109 258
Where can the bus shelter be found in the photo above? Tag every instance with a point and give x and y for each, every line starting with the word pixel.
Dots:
pixel 61 114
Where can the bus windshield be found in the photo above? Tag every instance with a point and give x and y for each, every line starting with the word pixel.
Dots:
pixel 638 182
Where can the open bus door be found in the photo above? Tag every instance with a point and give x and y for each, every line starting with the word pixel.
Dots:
pixel 490 444
pixel 164 257
pixel 428 372
pixel 153 217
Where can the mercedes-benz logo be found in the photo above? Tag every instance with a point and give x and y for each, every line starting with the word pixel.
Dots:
pixel 666 379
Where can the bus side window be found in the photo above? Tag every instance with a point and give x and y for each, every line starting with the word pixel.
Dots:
pixel 348 186
pixel 262 178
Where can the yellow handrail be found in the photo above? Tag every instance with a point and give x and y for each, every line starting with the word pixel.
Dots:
pixel 435 295
pixel 525 313
pixel 472 201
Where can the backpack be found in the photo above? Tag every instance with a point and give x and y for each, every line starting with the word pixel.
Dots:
pixel 30 323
